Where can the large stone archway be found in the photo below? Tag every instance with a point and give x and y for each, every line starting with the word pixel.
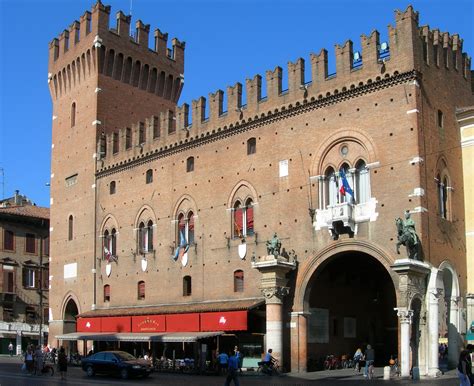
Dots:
pixel 372 257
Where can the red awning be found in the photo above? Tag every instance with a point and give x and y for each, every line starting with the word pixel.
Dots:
pixel 182 322
pixel 224 321
pixel 117 324
pixel 148 323
pixel 89 324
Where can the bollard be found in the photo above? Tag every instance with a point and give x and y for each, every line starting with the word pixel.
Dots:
pixel 386 373
pixel 416 373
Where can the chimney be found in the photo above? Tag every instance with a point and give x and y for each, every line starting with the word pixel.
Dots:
pixel 17 199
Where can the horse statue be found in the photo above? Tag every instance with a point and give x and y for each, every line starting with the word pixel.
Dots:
pixel 407 236
pixel 273 246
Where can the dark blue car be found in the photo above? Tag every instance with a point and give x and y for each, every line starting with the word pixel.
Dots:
pixel 118 363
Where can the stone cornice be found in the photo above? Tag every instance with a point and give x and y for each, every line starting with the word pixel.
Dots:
pixel 265 119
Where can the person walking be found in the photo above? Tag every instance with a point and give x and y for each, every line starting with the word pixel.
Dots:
pixel 38 360
pixel 369 359
pixel 29 359
pixel 62 363
pixel 10 349
pixel 222 362
pixel 462 369
pixel 357 358
pixel 233 370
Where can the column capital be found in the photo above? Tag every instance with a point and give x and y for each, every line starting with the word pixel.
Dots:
pixel 275 294
pixel 299 313
pixel 404 315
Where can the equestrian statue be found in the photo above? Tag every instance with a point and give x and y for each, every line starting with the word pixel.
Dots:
pixel 407 236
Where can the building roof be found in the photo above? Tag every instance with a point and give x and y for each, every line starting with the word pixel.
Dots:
pixel 26 211
pixel 229 305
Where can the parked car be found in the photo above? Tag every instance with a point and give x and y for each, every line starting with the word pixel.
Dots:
pixel 118 363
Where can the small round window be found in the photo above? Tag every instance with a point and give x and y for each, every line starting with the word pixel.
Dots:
pixel 344 150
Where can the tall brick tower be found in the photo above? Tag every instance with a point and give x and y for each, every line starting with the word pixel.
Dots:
pixel 100 79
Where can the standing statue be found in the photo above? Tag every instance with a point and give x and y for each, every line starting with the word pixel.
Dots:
pixel 274 246
pixel 407 236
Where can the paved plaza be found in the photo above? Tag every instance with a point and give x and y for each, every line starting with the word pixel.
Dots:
pixel 10 375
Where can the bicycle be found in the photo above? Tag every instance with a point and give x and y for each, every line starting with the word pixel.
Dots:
pixel 272 368
pixel 46 369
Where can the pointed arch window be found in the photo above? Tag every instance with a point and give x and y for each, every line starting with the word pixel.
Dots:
pixel 239 281
pixel 145 237
pixel 110 244
pixel 185 228
pixel 141 290
pixel 443 196
pixel 243 221
pixel 330 196
pixel 70 228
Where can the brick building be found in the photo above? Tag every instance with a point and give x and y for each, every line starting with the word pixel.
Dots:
pixel 160 216
pixel 24 277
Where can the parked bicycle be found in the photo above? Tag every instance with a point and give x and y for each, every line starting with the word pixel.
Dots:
pixel 332 362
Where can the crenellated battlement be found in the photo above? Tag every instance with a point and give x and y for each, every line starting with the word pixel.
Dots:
pixel 410 48
pixel 96 47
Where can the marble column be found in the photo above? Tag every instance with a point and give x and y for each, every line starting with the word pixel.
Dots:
pixel 433 334
pixel 405 317
pixel 453 332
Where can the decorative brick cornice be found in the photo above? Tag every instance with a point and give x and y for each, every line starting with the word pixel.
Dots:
pixel 284 112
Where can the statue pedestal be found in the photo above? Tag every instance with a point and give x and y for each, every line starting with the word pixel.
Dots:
pixel 273 287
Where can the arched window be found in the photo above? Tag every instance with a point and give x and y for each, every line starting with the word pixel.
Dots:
pixel 243 218
pixel 330 188
pixel 110 244
pixel 106 293
pixel 362 183
pixel 112 187
pixel 239 281
pixel 149 176
pixel 190 164
pixel 187 290
pixel 70 228
pixel 141 290
pixel 342 195
pixel 136 73
pixel 185 228
pixel 115 144
pixel 443 195
pixel 145 237
pixel 251 146
pixel 73 114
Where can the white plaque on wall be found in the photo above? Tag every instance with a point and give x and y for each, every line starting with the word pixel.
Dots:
pixel 318 325
pixel 284 168
pixel 70 271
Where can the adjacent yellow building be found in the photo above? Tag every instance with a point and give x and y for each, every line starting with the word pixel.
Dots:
pixel 465 118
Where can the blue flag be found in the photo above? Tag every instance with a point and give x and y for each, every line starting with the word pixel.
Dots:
pixel 345 187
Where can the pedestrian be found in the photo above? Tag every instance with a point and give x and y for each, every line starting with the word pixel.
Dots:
pixel 462 368
pixel 369 359
pixel 232 370
pixel 10 349
pixel 29 359
pixel 38 357
pixel 222 362
pixel 239 356
pixel 358 356
pixel 62 363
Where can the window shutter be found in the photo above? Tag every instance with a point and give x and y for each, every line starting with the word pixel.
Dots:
pixel 25 276
pixel 37 278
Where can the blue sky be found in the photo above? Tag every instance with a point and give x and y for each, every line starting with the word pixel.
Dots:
pixel 227 41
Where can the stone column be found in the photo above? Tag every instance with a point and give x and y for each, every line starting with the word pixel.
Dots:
pixel 453 332
pixel 274 322
pixel 433 334
pixel 273 286
pixel 405 316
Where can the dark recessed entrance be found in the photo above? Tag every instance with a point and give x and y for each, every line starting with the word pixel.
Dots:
pixel 351 302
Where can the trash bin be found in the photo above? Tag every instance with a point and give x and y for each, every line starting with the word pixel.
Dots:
pixel 386 373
